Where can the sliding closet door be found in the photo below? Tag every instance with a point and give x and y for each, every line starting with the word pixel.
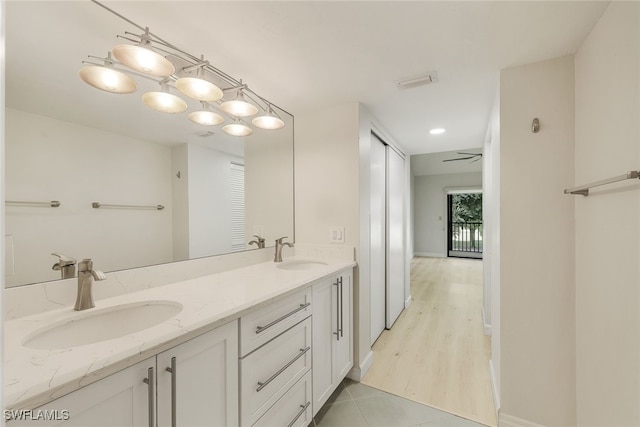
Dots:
pixel 377 231
pixel 395 236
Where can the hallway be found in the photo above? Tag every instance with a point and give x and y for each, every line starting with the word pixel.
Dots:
pixel 437 353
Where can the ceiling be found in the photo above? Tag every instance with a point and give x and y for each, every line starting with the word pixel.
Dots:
pixel 305 56
pixel 434 164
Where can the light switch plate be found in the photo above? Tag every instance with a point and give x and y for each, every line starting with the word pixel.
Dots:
pixel 336 234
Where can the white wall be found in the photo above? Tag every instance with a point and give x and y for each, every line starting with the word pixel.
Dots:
pixel 54 160
pixel 180 196
pixel 430 232
pixel 537 325
pixel 607 237
pixel 209 201
pixel 268 160
pixel 201 194
pixel 332 188
pixel 327 191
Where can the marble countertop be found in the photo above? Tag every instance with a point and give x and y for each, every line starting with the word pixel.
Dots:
pixel 34 377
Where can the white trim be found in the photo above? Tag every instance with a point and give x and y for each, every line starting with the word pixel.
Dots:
pixel 430 254
pixel 407 302
pixel 486 326
pixel 494 389
pixel 462 190
pixel 357 373
pixel 511 421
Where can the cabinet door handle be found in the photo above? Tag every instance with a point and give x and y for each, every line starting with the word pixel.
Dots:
pixel 341 308
pixel 337 332
pixel 173 372
pixel 150 380
pixel 262 385
pixel 304 408
pixel 260 329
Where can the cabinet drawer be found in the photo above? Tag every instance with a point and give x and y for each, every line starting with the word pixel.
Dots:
pixel 267 373
pixel 293 409
pixel 260 326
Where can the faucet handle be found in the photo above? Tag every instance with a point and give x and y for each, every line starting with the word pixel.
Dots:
pixel 281 239
pixel 63 260
pixel 260 238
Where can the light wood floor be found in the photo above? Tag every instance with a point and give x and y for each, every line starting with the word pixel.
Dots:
pixel 436 353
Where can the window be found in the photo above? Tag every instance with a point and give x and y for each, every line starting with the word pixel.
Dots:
pixel 236 192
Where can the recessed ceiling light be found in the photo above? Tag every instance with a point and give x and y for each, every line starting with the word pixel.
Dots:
pixel 437 131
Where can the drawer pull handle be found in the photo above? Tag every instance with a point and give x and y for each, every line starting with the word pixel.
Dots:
pixel 262 385
pixel 173 372
pixel 150 380
pixel 260 329
pixel 304 408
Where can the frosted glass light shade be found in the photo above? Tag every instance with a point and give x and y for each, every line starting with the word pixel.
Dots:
pixel 144 60
pixel 207 118
pixel 239 107
pixel 237 129
pixel 107 79
pixel 200 89
pixel 268 121
pixel 164 102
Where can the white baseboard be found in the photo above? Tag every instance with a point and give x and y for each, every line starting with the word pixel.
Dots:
pixel 430 254
pixel 494 388
pixel 407 302
pixel 357 373
pixel 511 421
pixel 485 326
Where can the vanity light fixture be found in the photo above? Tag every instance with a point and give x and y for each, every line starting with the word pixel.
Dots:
pixel 198 87
pixel 237 128
pixel 154 58
pixel 205 116
pixel 164 101
pixel 140 57
pixel 268 121
pixel 239 106
pixel 106 77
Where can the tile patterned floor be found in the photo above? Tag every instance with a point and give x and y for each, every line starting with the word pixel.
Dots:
pixel 357 405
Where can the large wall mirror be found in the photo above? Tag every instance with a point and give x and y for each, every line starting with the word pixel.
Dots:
pixel 67 141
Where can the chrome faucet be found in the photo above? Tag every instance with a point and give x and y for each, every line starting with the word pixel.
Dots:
pixel 279 245
pixel 259 242
pixel 66 265
pixel 86 276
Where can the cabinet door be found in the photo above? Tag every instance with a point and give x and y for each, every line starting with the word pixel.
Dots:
pixel 344 346
pixel 121 399
pixel 325 326
pixel 202 387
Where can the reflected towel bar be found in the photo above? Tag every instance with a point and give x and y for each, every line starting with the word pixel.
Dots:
pixel 51 204
pixel 97 205
pixel 584 189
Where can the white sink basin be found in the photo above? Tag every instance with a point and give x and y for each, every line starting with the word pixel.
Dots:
pixel 301 264
pixel 92 326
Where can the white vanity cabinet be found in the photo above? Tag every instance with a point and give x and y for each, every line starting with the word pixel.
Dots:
pixel 121 399
pixel 202 389
pixel 275 363
pixel 197 381
pixel 332 335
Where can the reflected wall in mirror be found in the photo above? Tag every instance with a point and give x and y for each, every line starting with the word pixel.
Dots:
pixel 67 141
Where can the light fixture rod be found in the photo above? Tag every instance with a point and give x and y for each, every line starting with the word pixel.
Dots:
pixel 159 40
pixel 145 29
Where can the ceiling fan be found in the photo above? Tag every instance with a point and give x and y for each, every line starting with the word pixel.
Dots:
pixel 474 156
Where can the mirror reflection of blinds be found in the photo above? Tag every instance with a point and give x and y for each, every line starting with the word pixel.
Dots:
pixel 236 191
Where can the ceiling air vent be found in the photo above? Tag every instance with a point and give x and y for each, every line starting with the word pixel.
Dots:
pixel 424 79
